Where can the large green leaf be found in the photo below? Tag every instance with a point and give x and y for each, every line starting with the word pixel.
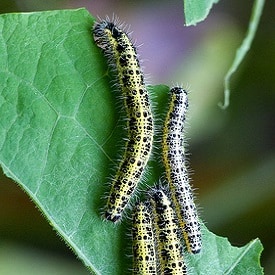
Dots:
pixel 60 138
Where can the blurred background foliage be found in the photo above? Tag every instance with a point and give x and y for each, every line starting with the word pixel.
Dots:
pixel 232 151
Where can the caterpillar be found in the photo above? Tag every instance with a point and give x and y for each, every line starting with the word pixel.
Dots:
pixel 177 176
pixel 144 251
pixel 169 246
pixel 122 58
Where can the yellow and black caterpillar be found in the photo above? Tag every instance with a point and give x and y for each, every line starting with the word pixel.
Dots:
pixel 174 159
pixel 122 58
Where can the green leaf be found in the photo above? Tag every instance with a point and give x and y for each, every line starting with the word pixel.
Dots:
pixel 243 49
pixel 60 136
pixel 219 257
pixel 197 11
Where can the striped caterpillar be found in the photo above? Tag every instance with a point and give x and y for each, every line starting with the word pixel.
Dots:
pixel 122 58
pixel 176 171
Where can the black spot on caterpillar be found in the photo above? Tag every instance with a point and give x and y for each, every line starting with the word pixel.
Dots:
pixel 169 246
pixel 122 58
pixel 176 171
pixel 144 251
